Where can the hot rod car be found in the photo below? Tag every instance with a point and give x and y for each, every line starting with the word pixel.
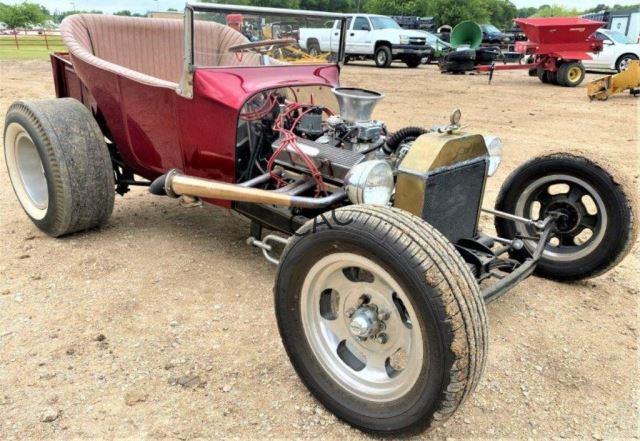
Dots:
pixel 383 270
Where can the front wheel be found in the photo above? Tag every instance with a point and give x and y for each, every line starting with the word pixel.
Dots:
pixel 598 224
pixel 623 63
pixel 381 318
pixel 383 56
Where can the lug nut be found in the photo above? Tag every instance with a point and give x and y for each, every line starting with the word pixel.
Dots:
pixel 383 316
pixel 382 338
pixel 350 312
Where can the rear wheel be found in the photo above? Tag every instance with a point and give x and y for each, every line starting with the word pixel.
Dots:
pixel 314 48
pixel 598 225
pixel 571 74
pixel 59 165
pixel 381 318
pixel 383 56
pixel 413 62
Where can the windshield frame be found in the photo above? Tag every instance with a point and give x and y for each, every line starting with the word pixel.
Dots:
pixel 185 87
pixel 385 18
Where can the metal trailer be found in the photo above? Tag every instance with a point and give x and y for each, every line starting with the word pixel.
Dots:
pixel 555 48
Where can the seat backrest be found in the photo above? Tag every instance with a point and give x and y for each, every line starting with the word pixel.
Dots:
pixel 153 47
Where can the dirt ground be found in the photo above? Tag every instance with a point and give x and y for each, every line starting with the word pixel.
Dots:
pixel 161 325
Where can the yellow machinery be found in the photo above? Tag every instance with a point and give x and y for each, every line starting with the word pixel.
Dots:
pixel 629 79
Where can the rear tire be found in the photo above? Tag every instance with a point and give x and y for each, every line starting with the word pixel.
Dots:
pixel 59 165
pixel 314 48
pixel 383 57
pixel 389 261
pixel 413 62
pixel 571 74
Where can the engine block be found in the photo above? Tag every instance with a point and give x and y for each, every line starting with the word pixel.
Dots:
pixel 333 162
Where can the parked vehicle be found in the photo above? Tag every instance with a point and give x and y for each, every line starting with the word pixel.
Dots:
pixel 492 35
pixel 377 293
pixel 515 34
pixel 373 37
pixel 617 52
pixel 418 23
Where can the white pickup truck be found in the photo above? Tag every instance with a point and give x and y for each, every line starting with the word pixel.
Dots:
pixel 374 37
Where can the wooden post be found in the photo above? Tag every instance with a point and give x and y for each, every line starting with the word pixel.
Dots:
pixel 46 42
pixel 15 36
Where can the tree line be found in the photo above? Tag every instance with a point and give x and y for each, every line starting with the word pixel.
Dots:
pixel 498 12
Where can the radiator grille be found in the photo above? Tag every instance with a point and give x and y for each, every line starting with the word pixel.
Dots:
pixel 453 198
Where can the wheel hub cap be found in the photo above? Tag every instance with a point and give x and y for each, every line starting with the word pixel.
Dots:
pixel 364 323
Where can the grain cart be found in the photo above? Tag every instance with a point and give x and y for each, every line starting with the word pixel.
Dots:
pixel 381 288
pixel 554 49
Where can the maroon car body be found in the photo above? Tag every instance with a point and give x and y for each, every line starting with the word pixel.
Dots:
pixel 196 135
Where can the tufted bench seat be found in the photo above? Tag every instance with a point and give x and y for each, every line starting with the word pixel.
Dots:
pixel 149 50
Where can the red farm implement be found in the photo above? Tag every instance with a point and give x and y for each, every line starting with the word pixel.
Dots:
pixel 554 49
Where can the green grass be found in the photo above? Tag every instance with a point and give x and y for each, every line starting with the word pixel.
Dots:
pixel 31 47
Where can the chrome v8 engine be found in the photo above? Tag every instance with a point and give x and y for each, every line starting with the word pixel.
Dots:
pixel 339 143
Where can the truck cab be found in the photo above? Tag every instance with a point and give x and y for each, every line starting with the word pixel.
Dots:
pixel 374 37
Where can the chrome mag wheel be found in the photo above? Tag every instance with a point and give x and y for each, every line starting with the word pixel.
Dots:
pixel 26 171
pixel 358 322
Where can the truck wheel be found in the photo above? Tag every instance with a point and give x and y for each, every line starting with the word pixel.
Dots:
pixel 381 319
pixel 314 48
pixel 413 62
pixel 571 74
pixel 59 165
pixel 623 62
pixel 599 225
pixel 383 56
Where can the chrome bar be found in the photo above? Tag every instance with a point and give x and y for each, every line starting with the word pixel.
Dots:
pixel 512 217
pixel 213 7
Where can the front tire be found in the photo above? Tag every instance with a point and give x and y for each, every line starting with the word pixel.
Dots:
pixel 623 62
pixel 383 56
pixel 409 294
pixel 599 223
pixel 59 165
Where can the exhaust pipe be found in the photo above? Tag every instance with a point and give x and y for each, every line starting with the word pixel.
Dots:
pixel 175 184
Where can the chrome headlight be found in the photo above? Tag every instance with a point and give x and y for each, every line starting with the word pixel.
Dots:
pixel 404 39
pixel 494 146
pixel 370 182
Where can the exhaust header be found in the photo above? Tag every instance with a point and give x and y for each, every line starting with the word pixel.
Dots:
pixel 176 184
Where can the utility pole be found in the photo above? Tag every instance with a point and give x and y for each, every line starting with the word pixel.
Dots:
pixel 73 5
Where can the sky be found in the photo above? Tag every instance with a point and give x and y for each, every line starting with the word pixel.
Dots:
pixel 150 5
